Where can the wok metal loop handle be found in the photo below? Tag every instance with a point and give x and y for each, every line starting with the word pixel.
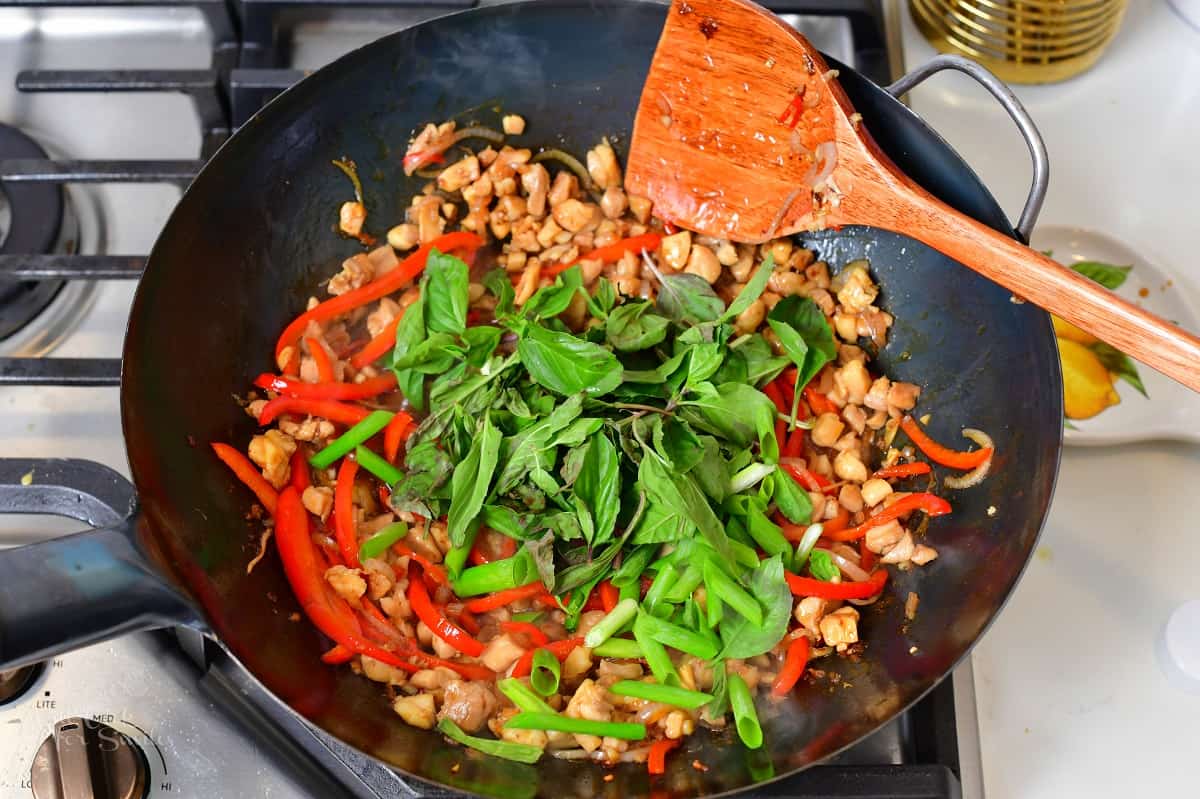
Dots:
pixel 1008 99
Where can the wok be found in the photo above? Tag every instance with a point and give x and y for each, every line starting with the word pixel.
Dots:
pixel 254 236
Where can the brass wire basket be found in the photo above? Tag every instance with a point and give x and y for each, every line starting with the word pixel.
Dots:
pixel 1022 41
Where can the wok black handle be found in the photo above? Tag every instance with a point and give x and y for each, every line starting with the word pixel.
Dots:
pixel 80 589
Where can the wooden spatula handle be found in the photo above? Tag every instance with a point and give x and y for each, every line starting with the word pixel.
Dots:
pixel 1032 276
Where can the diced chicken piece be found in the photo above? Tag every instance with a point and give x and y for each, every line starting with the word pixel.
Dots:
pixel 434 679
pixel 468 703
pixel 422 542
pixel 589 702
pixel 675 249
pixel 780 250
pixel 548 233
pixel 348 583
pixel 640 208
pixel 857 290
pixel 703 262
pixel 849 466
pixel 823 299
pixel 513 124
pixel 603 167
pixel 874 323
pixel 588 620
pixel 498 725
pixel 922 554
pixel 620 671
pixel 850 497
pixel 380 577
pixel 564 187
pixel 535 180
pixel 417 710
pixel 751 674
pixel 431 141
pixel 442 648
pixel 507 163
pixel 378 320
pixel 529 281
pixel 882 537
pixel 785 284
pixel 403 236
pixel 501 652
pixel 357 271
pixel 440 535
pixel 809 612
pixel 677 724
pixel 459 174
pixel 903 396
pixel 351 217
pixel 856 417
pixel 381 672
pixel 827 429
pixel 311 428
pixel 874 490
pixel 574 215
pixel 271 452
pixel 318 501
pixel 840 628
pixel 876 398
pixel 899 552
pixel 396 605
pixel 383 259
pixel 854 380
pixel 613 202
pixel 577 663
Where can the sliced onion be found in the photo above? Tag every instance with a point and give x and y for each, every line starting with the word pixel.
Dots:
pixel 570 162
pixel 846 551
pixel 653 712
pixel 787 203
pixel 976 475
pixel 807 542
pixel 478 132
pixel 570 754
pixel 824 161
pixel 851 570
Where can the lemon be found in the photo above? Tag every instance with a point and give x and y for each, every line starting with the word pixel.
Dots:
pixel 1064 329
pixel 1087 385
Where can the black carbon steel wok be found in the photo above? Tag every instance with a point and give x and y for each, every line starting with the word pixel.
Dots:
pixel 254 236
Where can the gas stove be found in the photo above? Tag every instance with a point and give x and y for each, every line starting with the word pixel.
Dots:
pixel 107 109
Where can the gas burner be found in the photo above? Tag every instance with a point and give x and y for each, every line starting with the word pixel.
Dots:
pixel 37 218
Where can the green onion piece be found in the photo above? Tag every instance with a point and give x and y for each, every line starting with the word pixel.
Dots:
pixel 688 582
pixel 618 648
pixel 631 590
pixel 768 535
pixel 744 714
pixel 545 672
pixel 805 547
pixel 456 558
pixel 658 589
pixel 522 753
pixel 655 654
pixel 382 541
pixel 633 566
pixel 552 722
pixel 752 475
pixel 343 444
pixel 523 696
pixel 715 609
pixel 499 575
pixel 607 627
pixel 667 694
pixel 377 465
pixel 719 583
pixel 676 637
pixel 743 554
pixel 529 616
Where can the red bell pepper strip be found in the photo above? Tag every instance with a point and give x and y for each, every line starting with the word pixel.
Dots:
pixel 506 597
pixel 248 473
pixel 299 466
pixel 290 387
pixel 773 391
pixel 414 161
pixel 941 454
pixel 795 443
pixel 321 358
pixel 394 434
pixel 931 504
pixel 866 558
pixel 902 470
pixel 610 595
pixel 332 410
pixel 526 628
pixel 810 586
pixel 382 286
pixel 656 761
pixel 837 523
pixel 560 650
pixel 810 480
pixel 610 253
pixel 379 346
pixel 339 654
pixel 466 619
pixel 793 667
pixel 432 570
pixel 427 612
pixel 344 526
pixel 818 402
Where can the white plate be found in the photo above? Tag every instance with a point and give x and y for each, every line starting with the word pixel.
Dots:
pixel 1172 411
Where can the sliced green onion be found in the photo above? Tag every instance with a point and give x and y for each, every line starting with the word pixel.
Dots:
pixel 343 444
pixel 744 714
pixel 676 637
pixel 523 696
pixel 522 753
pixel 529 616
pixel 382 541
pixel 719 583
pixel 377 465
pixel 618 648
pixel 805 547
pixel 688 582
pixel 632 590
pixel 715 609
pixel 752 475
pixel 658 589
pixel 607 627
pixel 633 565
pixel 545 673
pixel 768 535
pixel 552 722
pixel 666 694
pixel 456 558
pixel 655 654
pixel 499 575
pixel 743 555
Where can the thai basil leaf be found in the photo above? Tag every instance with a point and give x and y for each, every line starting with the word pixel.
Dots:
pixel 705 360
pixel 446 293
pixel 634 326
pixel 751 291
pixel 659 526
pixel 542 551
pixel 1108 275
pixel 499 286
pixel 564 525
pixel 658 374
pixel 481 341
pixel 530 448
pixel 410 332
pixel 591 571
pixel 792 500
pixel 1119 364
pixel 434 355
pixel 427 470
pixel 598 487
pixel 505 520
pixel 688 299
pixel 554 299
pixel 566 364
pixel 472 477
pixel 733 411
pixel 804 334
pixel 603 300
pixel 679 494
pixel 676 443
pixel 821 565
pixel 743 639
pixel 711 473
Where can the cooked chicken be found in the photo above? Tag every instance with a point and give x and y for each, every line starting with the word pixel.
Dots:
pixel 468 704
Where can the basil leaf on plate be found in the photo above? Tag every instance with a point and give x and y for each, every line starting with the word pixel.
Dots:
pixel 481 341
pixel 659 526
pixel 566 364
pixel 733 411
pixel 1110 276
pixel 679 494
pixel 1119 364
pixel 446 293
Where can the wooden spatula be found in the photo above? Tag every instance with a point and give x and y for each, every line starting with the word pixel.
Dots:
pixel 743 133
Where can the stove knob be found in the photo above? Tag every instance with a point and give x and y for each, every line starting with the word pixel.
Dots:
pixel 89 760
pixel 15 682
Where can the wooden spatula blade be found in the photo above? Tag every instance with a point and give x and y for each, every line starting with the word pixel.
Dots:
pixel 730 126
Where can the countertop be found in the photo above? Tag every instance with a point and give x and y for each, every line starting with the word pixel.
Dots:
pixel 1073 700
